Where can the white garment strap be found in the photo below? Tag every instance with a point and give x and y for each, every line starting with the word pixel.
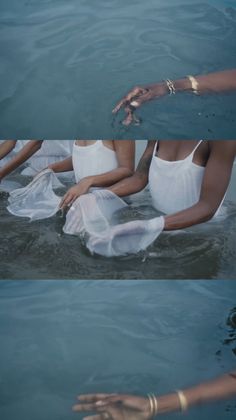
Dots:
pixel 155 148
pixel 195 149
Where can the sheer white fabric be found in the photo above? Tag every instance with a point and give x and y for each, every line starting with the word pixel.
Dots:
pixel 93 216
pixel 38 200
pixel 8 186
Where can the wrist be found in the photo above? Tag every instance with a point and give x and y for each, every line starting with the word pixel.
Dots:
pixel 182 85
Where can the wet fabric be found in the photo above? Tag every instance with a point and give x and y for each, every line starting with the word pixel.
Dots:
pixel 101 159
pixel 92 216
pixel 8 186
pixel 175 186
pixel 38 200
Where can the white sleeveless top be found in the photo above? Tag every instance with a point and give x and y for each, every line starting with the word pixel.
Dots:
pixel 175 186
pixel 94 159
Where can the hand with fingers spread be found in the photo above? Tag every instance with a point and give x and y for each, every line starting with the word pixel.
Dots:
pixel 137 97
pixel 75 192
pixel 114 407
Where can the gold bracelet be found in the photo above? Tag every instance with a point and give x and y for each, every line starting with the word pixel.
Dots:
pixel 194 84
pixel 183 401
pixel 154 406
pixel 171 87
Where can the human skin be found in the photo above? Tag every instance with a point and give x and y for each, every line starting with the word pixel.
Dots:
pixel 223 81
pixel 128 407
pixel 216 156
pixel 6 147
pixel 125 152
pixel 21 157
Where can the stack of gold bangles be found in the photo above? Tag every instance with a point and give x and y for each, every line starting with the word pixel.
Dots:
pixel 154 406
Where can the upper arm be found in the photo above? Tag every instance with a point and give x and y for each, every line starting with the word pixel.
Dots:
pixel 144 164
pixel 218 173
pixel 125 152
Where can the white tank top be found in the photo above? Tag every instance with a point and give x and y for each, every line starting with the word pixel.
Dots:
pixel 94 159
pixel 175 186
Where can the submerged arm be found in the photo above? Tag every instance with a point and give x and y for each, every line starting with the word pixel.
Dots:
pixel 215 183
pixel 22 156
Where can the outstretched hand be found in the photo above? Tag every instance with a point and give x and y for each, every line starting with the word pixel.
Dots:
pixel 114 407
pixel 136 97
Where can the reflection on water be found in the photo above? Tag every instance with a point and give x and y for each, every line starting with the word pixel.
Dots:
pixel 62 338
pixel 65 64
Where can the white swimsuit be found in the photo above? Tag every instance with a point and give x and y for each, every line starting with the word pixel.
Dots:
pixel 94 159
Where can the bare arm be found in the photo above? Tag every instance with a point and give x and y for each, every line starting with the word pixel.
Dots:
pixel 215 183
pixel 125 151
pixel 6 147
pixel 222 81
pixel 139 180
pixel 24 154
pixel 128 407
pixel 65 165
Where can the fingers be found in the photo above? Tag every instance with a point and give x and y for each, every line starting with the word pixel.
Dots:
pixel 129 97
pixel 68 200
pixel 93 398
pixel 85 407
pixel 98 417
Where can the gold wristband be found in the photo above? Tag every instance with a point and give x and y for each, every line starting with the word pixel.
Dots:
pixel 183 401
pixel 194 84
pixel 154 406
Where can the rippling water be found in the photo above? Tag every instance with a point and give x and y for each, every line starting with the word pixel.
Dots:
pixel 40 250
pixel 65 64
pixel 62 338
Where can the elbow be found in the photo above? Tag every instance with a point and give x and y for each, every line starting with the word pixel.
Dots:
pixel 128 172
pixel 208 211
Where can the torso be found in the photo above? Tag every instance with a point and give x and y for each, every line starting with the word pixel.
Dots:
pixel 176 174
pixel 93 157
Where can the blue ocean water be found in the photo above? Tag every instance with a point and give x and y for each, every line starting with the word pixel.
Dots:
pixel 63 338
pixel 64 65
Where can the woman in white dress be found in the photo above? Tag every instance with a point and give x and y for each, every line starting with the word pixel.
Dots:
pixel 37 153
pixel 97 164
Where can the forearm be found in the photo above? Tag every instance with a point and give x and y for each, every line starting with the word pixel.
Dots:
pixel 6 147
pixel 211 83
pixel 108 179
pixel 65 165
pixel 129 186
pixel 27 151
pixel 199 213
pixel 219 389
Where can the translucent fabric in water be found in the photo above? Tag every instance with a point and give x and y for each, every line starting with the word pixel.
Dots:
pixel 38 199
pixel 8 186
pixel 94 213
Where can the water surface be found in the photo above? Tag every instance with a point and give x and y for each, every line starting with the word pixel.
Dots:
pixel 61 338
pixel 64 65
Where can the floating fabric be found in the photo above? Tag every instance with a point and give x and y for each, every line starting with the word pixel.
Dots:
pixel 95 216
pixel 38 199
pixel 92 214
pixel 8 186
